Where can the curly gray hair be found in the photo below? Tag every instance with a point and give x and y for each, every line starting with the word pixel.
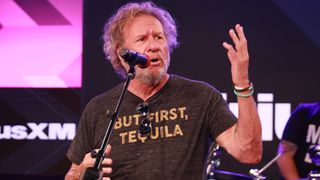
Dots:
pixel 114 27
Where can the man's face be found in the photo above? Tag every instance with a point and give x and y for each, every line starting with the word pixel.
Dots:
pixel 144 34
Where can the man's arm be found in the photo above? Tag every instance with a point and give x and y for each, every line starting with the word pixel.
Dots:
pixel 73 174
pixel 244 139
pixel 285 162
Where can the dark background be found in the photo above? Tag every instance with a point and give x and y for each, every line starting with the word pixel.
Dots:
pixel 284 60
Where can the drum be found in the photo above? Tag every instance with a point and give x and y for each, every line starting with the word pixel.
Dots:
pixel 224 175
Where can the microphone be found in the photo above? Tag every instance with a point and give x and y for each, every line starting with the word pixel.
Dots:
pixel 134 58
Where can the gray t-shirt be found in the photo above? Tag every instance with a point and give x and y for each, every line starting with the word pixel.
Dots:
pixel 184 114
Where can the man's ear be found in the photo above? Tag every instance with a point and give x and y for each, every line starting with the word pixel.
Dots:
pixel 118 48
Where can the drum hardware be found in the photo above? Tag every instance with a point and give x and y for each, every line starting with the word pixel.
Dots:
pixel 225 175
pixel 213 160
pixel 314 175
pixel 256 173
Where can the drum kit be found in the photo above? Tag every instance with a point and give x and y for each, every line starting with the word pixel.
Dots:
pixel 213 161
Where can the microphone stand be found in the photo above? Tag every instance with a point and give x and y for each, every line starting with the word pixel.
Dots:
pixel 94 173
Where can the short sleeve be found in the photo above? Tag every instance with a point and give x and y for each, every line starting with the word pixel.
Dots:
pixel 293 129
pixel 219 115
pixel 81 143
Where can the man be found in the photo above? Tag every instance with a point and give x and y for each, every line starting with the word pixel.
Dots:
pixel 300 133
pixel 183 113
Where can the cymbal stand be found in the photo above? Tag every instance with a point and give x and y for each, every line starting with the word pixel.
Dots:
pixel 256 173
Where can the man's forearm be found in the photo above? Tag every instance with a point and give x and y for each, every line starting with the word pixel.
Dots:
pixel 248 132
pixel 73 173
pixel 243 140
pixel 287 167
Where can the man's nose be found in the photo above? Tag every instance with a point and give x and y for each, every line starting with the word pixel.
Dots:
pixel 153 45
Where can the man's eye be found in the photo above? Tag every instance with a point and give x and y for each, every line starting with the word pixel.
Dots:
pixel 158 37
pixel 140 39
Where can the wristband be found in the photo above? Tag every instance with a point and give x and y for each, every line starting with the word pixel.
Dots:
pixel 244 95
pixel 241 89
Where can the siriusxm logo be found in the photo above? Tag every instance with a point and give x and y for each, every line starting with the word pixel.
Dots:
pixel 273 116
pixel 42 131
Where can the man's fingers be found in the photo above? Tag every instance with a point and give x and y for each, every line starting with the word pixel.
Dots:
pixel 88 161
pixel 227 46
pixel 242 47
pixel 96 151
pixel 240 33
pixel 107 161
pixel 107 170
pixel 108 149
pixel 232 54
pixel 234 37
